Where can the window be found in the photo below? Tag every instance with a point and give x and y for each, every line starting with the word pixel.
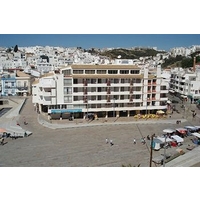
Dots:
pixel 101 71
pixel 93 81
pixel 116 80
pixel 67 82
pixel 138 88
pixel 75 81
pixel 67 90
pixel 112 71
pixel 67 99
pixel 122 97
pixel 135 71
pixel 78 71
pixel 124 71
pixel 89 71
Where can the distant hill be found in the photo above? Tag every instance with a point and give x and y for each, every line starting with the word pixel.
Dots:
pixel 130 53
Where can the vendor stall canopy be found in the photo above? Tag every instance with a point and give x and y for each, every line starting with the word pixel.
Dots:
pixel 160 112
pixel 169 130
pixel 3 130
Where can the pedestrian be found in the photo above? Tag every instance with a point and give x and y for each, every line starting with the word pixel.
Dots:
pixel 13 136
pixel 2 141
pixel 111 143
pixel 143 140
pixel 134 141
pixel 106 140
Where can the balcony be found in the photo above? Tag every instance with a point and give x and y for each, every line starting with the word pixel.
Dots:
pixel 22 88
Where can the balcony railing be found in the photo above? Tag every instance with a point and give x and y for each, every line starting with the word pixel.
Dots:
pixel 22 88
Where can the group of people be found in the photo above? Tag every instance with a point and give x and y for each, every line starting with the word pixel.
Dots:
pixel 143 141
pixel 109 141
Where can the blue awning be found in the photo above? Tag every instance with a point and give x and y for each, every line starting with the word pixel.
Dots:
pixel 53 111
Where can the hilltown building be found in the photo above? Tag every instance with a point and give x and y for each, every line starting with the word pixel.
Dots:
pixel 106 90
pixel 16 83
pixel 185 83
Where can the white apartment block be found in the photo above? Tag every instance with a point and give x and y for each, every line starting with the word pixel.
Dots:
pixel 183 51
pixel 107 90
pixel 187 83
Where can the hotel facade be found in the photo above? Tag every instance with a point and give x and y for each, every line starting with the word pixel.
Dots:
pixel 105 90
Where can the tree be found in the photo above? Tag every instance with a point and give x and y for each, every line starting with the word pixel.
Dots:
pixel 15 48
pixel 8 50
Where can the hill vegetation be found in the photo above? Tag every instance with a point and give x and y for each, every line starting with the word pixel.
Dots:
pixel 178 61
pixel 130 53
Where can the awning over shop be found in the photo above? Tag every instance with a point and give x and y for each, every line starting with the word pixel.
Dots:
pixel 196 134
pixel 177 138
pixel 53 111
pixel 182 130
pixel 161 140
pixel 192 128
pixel 169 130
pixel 198 101
pixel 2 130
pixel 160 112
pixel 190 96
pixel 172 91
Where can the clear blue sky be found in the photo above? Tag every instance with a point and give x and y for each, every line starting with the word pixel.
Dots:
pixel 162 41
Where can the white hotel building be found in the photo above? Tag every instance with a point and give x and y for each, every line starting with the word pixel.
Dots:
pixel 106 90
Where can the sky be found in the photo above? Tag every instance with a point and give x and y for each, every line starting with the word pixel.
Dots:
pixel 87 41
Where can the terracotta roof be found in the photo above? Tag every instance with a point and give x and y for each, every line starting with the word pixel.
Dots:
pixel 22 74
pixel 48 74
pixel 35 82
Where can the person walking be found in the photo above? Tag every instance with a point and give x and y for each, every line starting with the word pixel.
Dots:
pixel 2 141
pixel 106 140
pixel 111 143
pixel 134 141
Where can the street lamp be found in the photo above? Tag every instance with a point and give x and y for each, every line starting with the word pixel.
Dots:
pixel 151 152
pixel 86 101
pixel 164 150
pixel 146 105
pixel 114 107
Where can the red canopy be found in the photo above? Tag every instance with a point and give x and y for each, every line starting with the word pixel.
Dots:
pixel 182 130
pixel 2 130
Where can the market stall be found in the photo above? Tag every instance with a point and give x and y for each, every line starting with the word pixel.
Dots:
pixel 182 132
pixel 159 142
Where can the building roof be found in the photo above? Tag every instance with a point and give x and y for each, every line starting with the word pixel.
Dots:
pixel 48 74
pixel 104 67
pixel 35 82
pixel 22 74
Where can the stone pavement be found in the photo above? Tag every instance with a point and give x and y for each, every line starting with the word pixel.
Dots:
pixel 79 143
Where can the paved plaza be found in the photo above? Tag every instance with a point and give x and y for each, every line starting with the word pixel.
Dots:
pixel 82 144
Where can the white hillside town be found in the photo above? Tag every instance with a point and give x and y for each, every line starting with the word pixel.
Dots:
pixel 68 82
